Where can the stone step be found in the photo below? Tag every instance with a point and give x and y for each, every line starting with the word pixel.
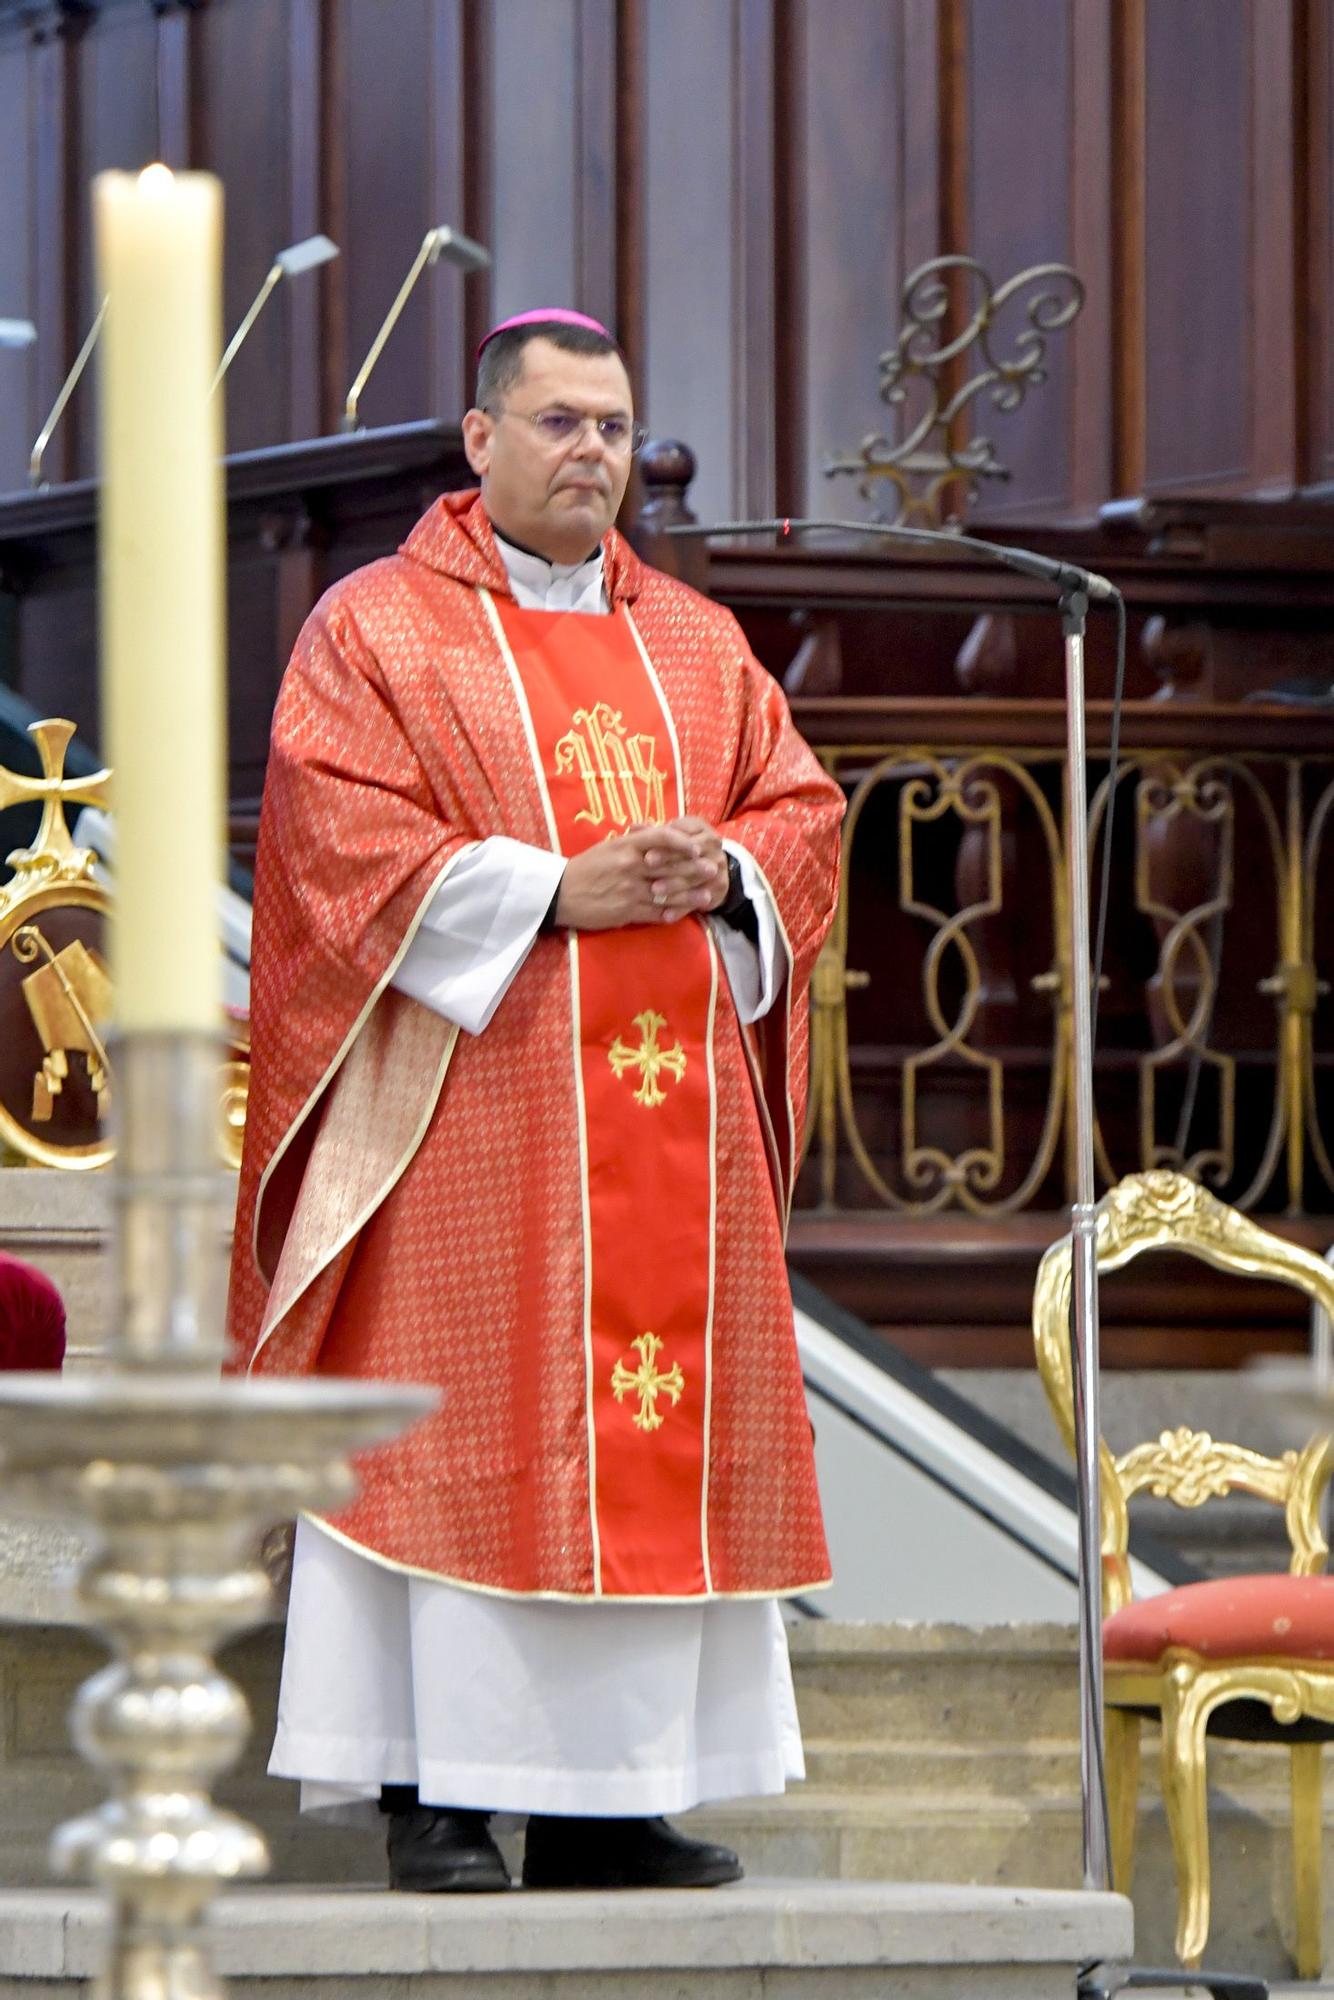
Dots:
pixel 942 1769
pixel 917 1838
pixel 751 1941
pixel 1254 1771
pixel 957 1684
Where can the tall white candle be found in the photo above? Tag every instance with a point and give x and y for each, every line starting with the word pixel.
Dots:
pixel 159 254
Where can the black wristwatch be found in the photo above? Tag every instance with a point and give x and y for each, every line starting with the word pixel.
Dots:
pixel 547 926
pixel 736 907
pixel 736 888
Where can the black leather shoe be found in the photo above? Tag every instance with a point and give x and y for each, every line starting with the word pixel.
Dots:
pixel 437 1852
pixel 621 1854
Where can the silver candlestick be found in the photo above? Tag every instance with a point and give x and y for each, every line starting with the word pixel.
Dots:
pixel 177 1473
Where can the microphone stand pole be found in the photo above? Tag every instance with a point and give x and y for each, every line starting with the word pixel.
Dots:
pixel 1083 1255
pixel 1076 587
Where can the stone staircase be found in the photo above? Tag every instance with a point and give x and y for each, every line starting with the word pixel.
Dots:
pixel 939 1753
pixel 753 1941
pixel 936 1755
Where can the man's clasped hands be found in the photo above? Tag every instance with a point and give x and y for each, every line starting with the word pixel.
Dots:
pixel 648 875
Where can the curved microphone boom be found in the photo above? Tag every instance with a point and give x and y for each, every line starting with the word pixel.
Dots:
pixel 1047 569
pixel 1076 587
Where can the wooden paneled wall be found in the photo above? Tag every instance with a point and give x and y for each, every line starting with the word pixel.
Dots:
pixel 741 186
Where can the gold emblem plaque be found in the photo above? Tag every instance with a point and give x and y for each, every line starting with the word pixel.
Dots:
pixel 55 991
pixel 55 1081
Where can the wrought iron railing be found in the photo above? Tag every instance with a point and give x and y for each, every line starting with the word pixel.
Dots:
pixel 940 1018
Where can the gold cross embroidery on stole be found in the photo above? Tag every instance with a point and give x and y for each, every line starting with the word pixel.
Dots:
pixel 647 1382
pixel 649 1059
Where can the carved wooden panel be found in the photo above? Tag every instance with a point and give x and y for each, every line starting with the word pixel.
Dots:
pixel 243 56
pixel 1197 200
pixel 741 185
pixel 18 368
pixel 458 193
pixel 532 74
pixel 843 162
pixel 53 226
pixel 688 383
pixel 1315 301
pixel 1019 214
pixel 380 138
pixel 112 121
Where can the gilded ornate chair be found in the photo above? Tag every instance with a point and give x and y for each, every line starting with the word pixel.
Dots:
pixel 1188 1655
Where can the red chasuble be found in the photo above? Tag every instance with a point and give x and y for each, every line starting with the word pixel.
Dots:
pixel 572 1222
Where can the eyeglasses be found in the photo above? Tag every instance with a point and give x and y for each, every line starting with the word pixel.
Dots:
pixel 560 426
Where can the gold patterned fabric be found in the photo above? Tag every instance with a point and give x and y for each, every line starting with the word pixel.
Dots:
pixel 411 1197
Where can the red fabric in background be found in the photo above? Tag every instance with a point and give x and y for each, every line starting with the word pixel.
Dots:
pixel 32 1318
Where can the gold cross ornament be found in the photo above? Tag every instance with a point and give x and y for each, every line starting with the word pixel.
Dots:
pixel 53 854
pixel 648 1059
pixel 647 1382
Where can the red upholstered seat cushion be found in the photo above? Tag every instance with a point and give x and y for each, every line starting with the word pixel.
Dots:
pixel 32 1318
pixel 1232 1618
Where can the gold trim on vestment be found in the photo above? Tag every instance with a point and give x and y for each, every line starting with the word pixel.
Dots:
pixel 346 1169
pixel 555 1596
pixel 713 1254
pixel 711 1066
pixel 268 1325
pixel 586 1227
pixel 663 704
pixel 572 957
pixel 786 1181
pixel 791 957
pixel 525 714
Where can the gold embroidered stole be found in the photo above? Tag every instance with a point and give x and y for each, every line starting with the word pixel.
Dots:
pixel 605 752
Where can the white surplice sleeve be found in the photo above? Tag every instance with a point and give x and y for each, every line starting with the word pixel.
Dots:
pixel 481 922
pixel 478 929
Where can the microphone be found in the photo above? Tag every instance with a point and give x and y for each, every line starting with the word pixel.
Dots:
pixel 290 263
pixel 67 389
pixel 17 333
pixel 1065 577
pixel 439 242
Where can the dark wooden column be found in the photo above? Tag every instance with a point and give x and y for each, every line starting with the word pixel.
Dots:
pixel 55 26
pixel 306 205
pixel 177 99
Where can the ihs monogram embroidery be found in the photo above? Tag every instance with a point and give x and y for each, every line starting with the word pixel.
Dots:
pixel 621 778
pixel 649 1059
pixel 647 1382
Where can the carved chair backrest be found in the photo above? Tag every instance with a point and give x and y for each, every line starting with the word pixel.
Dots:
pixel 1165 1211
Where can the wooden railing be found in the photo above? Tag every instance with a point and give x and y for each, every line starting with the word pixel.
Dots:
pixel 941 1043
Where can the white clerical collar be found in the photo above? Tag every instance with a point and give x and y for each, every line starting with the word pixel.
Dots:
pixel 539 585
